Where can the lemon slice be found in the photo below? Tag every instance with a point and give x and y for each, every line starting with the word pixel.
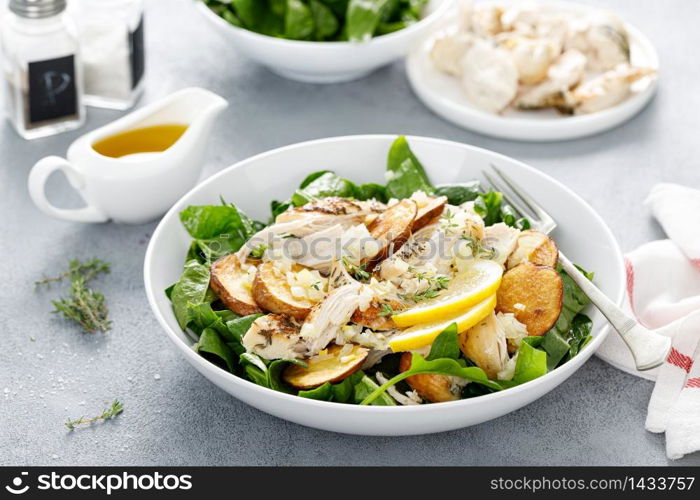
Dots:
pixel 470 287
pixel 421 335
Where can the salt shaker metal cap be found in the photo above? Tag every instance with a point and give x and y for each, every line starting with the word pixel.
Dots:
pixel 37 9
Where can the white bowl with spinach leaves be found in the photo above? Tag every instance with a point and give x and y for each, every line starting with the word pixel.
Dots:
pixel 211 338
pixel 324 41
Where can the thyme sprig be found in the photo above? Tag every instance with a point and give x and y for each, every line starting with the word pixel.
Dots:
pixel 359 272
pixel 436 284
pixel 115 409
pixel 387 310
pixel 88 270
pixel 478 249
pixel 83 305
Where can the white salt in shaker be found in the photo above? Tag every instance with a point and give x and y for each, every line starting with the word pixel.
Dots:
pixel 41 68
pixel 112 48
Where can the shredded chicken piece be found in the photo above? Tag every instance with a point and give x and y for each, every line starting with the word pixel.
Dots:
pixel 565 73
pixel 325 320
pixel 502 238
pixel 489 77
pixel 408 399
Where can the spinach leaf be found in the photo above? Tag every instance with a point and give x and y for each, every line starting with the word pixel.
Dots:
pixel 277 207
pixel 491 208
pixel 298 21
pixel 488 206
pixel 531 364
pixel 556 347
pixel 253 359
pixel 207 251
pixel 250 12
pixel 232 18
pixel 278 7
pixel 255 375
pixel 212 221
pixel 325 23
pixel 343 391
pixel 579 334
pixel 367 392
pixel 459 193
pixel 534 341
pixel 363 17
pixel 267 373
pixel 211 346
pixel 573 326
pixel 256 15
pixel 405 173
pixel 371 191
pixel 442 366
pixel 203 316
pixel 445 345
pixel 322 393
pixel 320 185
pixel 190 290
pixel 274 374
pixel 238 327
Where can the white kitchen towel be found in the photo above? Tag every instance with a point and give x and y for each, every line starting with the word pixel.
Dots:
pixel 663 288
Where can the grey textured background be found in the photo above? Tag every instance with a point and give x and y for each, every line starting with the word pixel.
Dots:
pixel 49 370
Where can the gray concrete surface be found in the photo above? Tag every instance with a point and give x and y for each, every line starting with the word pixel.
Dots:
pixel 50 371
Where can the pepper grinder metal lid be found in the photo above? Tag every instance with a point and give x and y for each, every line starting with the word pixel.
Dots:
pixel 37 9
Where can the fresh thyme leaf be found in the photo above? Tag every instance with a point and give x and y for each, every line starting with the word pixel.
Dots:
pixel 436 284
pixel 359 272
pixel 258 252
pixel 85 306
pixel 88 270
pixel 387 310
pixel 479 250
pixel 115 409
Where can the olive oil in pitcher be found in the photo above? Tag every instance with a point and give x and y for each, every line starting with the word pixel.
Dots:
pixel 139 141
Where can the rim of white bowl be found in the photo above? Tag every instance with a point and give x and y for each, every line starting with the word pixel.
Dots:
pixel 563 371
pixel 441 9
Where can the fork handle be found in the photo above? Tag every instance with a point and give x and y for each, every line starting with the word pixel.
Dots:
pixel 648 348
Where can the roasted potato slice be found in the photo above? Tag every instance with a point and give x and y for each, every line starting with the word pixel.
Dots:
pixel 535 247
pixel 375 316
pixel 485 344
pixel 231 285
pixel 429 213
pixel 334 365
pixel 533 294
pixel 434 388
pixel 274 336
pixel 392 228
pixel 271 292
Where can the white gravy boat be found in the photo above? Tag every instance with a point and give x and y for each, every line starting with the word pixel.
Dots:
pixel 136 188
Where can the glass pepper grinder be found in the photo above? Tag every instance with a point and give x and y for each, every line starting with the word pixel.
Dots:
pixel 41 67
pixel 112 50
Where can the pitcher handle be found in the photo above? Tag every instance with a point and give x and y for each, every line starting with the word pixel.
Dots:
pixel 37 183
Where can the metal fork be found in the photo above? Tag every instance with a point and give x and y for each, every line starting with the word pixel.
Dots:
pixel 649 348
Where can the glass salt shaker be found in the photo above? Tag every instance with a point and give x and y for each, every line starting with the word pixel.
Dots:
pixel 112 51
pixel 41 67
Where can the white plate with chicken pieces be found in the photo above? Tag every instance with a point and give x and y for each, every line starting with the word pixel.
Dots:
pixel 388 294
pixel 534 71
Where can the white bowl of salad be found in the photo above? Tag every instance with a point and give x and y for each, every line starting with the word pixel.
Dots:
pixel 324 41
pixel 389 294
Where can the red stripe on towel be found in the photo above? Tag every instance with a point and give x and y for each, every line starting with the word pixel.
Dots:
pixel 695 262
pixel 630 281
pixel 693 382
pixel 680 360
